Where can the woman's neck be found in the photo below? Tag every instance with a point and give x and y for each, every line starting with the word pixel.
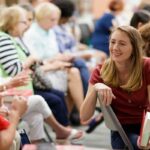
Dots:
pixel 123 67
pixel 123 73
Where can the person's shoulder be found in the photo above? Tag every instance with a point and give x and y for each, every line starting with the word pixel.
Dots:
pixel 57 29
pixel 31 33
pixel 108 15
pixel 4 35
pixel 106 18
pixel 34 28
pixel 146 60
pixel 5 38
pixel 97 68
pixel 146 63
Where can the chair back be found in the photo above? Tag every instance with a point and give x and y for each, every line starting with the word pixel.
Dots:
pixel 113 123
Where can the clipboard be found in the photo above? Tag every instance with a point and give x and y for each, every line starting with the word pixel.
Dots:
pixel 112 122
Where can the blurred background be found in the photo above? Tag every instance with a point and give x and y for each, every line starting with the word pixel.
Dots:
pixel 95 7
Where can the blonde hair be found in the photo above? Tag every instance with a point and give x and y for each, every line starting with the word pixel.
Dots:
pixel 45 9
pixel 10 17
pixel 109 70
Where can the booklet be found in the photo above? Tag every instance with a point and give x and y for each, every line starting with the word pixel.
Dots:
pixel 145 129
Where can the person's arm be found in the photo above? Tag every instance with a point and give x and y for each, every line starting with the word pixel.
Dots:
pixel 18 108
pixel 66 57
pixel 88 105
pixel 55 65
pixel 7 135
pixel 9 57
pixel 19 80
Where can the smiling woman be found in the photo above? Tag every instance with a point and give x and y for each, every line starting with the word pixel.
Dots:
pixel 125 48
pixel 120 46
pixel 122 82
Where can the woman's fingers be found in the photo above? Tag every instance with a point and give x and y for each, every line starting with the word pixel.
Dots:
pixel 106 96
pixel 105 93
pixel 109 97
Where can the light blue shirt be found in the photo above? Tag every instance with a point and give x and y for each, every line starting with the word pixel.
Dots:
pixel 40 42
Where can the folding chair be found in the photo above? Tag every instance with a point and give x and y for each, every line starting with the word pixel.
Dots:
pixel 113 123
pixel 47 133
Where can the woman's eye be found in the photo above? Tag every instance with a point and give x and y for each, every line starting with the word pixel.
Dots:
pixel 112 42
pixel 122 44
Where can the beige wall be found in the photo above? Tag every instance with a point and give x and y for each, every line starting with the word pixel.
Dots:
pixel 99 6
pixel 2 2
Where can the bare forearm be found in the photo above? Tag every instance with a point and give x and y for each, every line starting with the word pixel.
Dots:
pixel 7 136
pixel 6 85
pixel 48 67
pixel 88 106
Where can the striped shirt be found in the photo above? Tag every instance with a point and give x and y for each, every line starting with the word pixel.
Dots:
pixel 9 57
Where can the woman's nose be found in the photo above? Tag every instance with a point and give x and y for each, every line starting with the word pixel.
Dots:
pixel 115 47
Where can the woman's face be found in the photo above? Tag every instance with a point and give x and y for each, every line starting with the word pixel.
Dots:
pixel 120 47
pixel 30 18
pixel 21 26
pixel 50 21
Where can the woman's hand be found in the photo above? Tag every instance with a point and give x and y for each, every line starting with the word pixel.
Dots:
pixel 67 57
pixel 4 111
pixel 61 65
pixel 19 105
pixel 30 61
pixel 105 93
pixel 19 80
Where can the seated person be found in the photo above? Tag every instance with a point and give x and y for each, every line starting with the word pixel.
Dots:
pixel 8 127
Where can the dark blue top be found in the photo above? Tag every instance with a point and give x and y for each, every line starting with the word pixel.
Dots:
pixel 100 37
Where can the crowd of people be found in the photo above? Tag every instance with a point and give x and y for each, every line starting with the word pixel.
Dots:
pixel 40 53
